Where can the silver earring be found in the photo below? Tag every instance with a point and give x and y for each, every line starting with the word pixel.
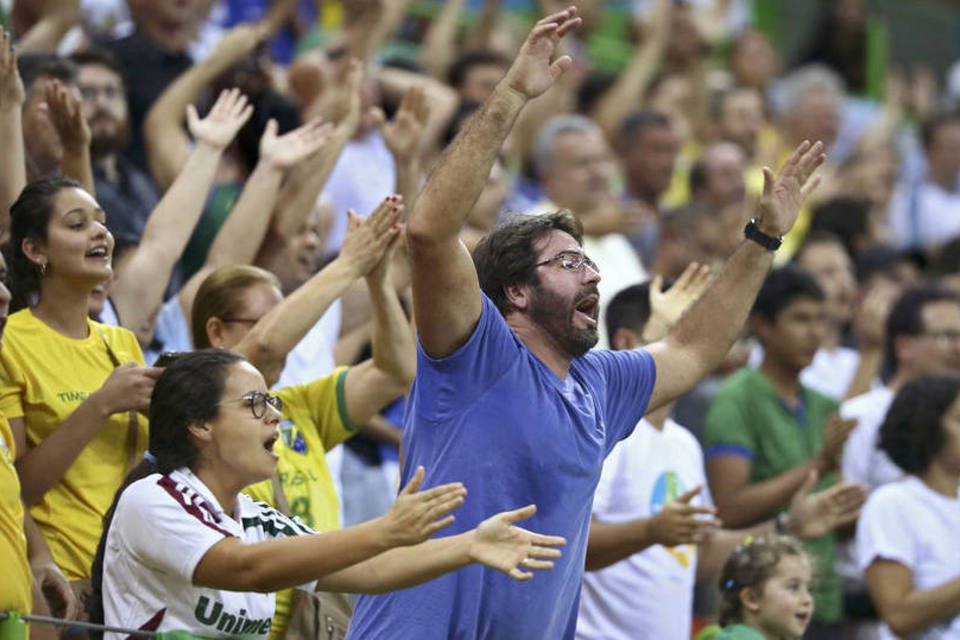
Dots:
pixel 43 268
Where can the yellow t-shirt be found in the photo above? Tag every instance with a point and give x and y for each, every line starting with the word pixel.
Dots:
pixel 15 585
pixel 314 421
pixel 45 376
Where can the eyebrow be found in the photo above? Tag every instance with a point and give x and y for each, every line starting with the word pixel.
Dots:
pixel 83 210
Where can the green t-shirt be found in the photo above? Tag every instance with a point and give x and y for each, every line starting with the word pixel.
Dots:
pixel 738 632
pixel 749 419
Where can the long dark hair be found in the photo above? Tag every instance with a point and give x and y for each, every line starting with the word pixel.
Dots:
pixel 188 391
pixel 29 219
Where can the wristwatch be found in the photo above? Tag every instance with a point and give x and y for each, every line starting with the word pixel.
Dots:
pixel 752 232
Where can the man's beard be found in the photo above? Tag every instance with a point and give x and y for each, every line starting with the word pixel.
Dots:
pixel 115 141
pixel 555 316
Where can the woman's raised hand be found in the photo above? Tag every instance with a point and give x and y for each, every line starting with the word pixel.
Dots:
pixel 416 515
pixel 220 126
pixel 499 544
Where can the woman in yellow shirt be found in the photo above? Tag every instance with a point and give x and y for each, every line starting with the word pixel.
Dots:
pixel 69 386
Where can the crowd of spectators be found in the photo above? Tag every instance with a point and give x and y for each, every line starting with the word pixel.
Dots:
pixel 238 175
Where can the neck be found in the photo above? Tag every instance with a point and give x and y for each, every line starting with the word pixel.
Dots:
pixel 541 343
pixel 224 489
pixel 63 307
pixel 658 417
pixel 786 380
pixel 943 481
pixel 108 164
pixel 832 336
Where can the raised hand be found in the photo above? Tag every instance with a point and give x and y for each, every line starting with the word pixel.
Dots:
pixel 784 195
pixel 835 434
pixel 219 127
pixel 500 545
pixel 416 515
pixel 402 134
pixel 532 72
pixel 813 515
pixel 11 86
pixel 679 522
pixel 666 307
pixel 367 241
pixel 287 150
pixel 239 42
pixel 66 115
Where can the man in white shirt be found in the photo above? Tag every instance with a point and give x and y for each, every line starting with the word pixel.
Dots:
pixel 653 534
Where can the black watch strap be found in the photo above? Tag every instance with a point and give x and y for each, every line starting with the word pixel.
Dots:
pixel 752 232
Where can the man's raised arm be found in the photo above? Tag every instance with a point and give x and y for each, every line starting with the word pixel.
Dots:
pixel 446 294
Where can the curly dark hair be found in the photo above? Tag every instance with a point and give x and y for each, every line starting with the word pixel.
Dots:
pixel 912 432
pixel 507 255
pixel 750 566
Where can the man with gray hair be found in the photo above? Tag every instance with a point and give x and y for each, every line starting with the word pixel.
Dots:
pixel 575 168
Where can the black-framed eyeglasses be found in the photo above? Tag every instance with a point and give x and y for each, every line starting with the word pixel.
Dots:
pixel 258 401
pixel 571 261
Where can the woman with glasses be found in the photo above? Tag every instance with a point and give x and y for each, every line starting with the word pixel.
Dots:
pixel 184 550
pixel 907 541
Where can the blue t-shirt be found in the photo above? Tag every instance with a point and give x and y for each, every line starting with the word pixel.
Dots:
pixel 493 416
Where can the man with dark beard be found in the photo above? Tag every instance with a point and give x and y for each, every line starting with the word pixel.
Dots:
pixel 508 396
pixel 126 193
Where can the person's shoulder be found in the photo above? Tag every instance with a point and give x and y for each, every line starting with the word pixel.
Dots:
pixel 114 334
pixel 866 402
pixel 141 493
pixel 895 494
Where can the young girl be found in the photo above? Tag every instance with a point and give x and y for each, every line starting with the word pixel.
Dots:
pixel 766 591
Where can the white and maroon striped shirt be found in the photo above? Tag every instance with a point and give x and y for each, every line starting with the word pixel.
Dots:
pixel 162 528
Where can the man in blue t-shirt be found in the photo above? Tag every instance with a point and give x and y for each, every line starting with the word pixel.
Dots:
pixel 508 398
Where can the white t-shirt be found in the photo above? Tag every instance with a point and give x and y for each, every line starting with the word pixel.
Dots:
pixel 162 528
pixel 924 215
pixel 909 523
pixel 649 594
pixel 862 461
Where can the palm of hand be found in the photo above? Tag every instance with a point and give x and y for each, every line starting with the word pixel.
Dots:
pixel 501 545
pixel 532 74
pixel 402 134
pixel 217 130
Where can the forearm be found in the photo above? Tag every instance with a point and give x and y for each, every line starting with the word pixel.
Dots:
pixel 392 343
pixel 13 178
pixel 299 194
pixel 242 233
pixel 76 165
pixel 919 610
pixel 37 550
pixel 439 45
pixel 480 31
pixel 611 543
pixel 761 501
pixel 46 34
pixel 42 467
pixel 403 567
pixel 868 368
pixel 624 95
pixel 275 335
pixel 455 184
pixel 407 181
pixel 730 297
pixel 287 562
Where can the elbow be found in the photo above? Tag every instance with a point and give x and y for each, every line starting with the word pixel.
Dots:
pixel 900 621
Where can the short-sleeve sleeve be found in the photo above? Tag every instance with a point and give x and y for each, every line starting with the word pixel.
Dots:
pixel 12 386
pixel 455 381
pixel 321 406
pixel 628 380
pixel 162 530
pixel 726 430
pixel 883 531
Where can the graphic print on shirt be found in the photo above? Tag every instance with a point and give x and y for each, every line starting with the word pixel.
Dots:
pixel 292 437
pixel 666 489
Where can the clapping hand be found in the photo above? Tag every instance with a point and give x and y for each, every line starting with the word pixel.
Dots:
pixel 835 434
pixel 532 72
pixel 813 515
pixel 784 194
pixel 679 522
pixel 499 544
pixel 416 515
pixel 666 307
pixel 219 127
pixel 283 152
pixel 367 241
